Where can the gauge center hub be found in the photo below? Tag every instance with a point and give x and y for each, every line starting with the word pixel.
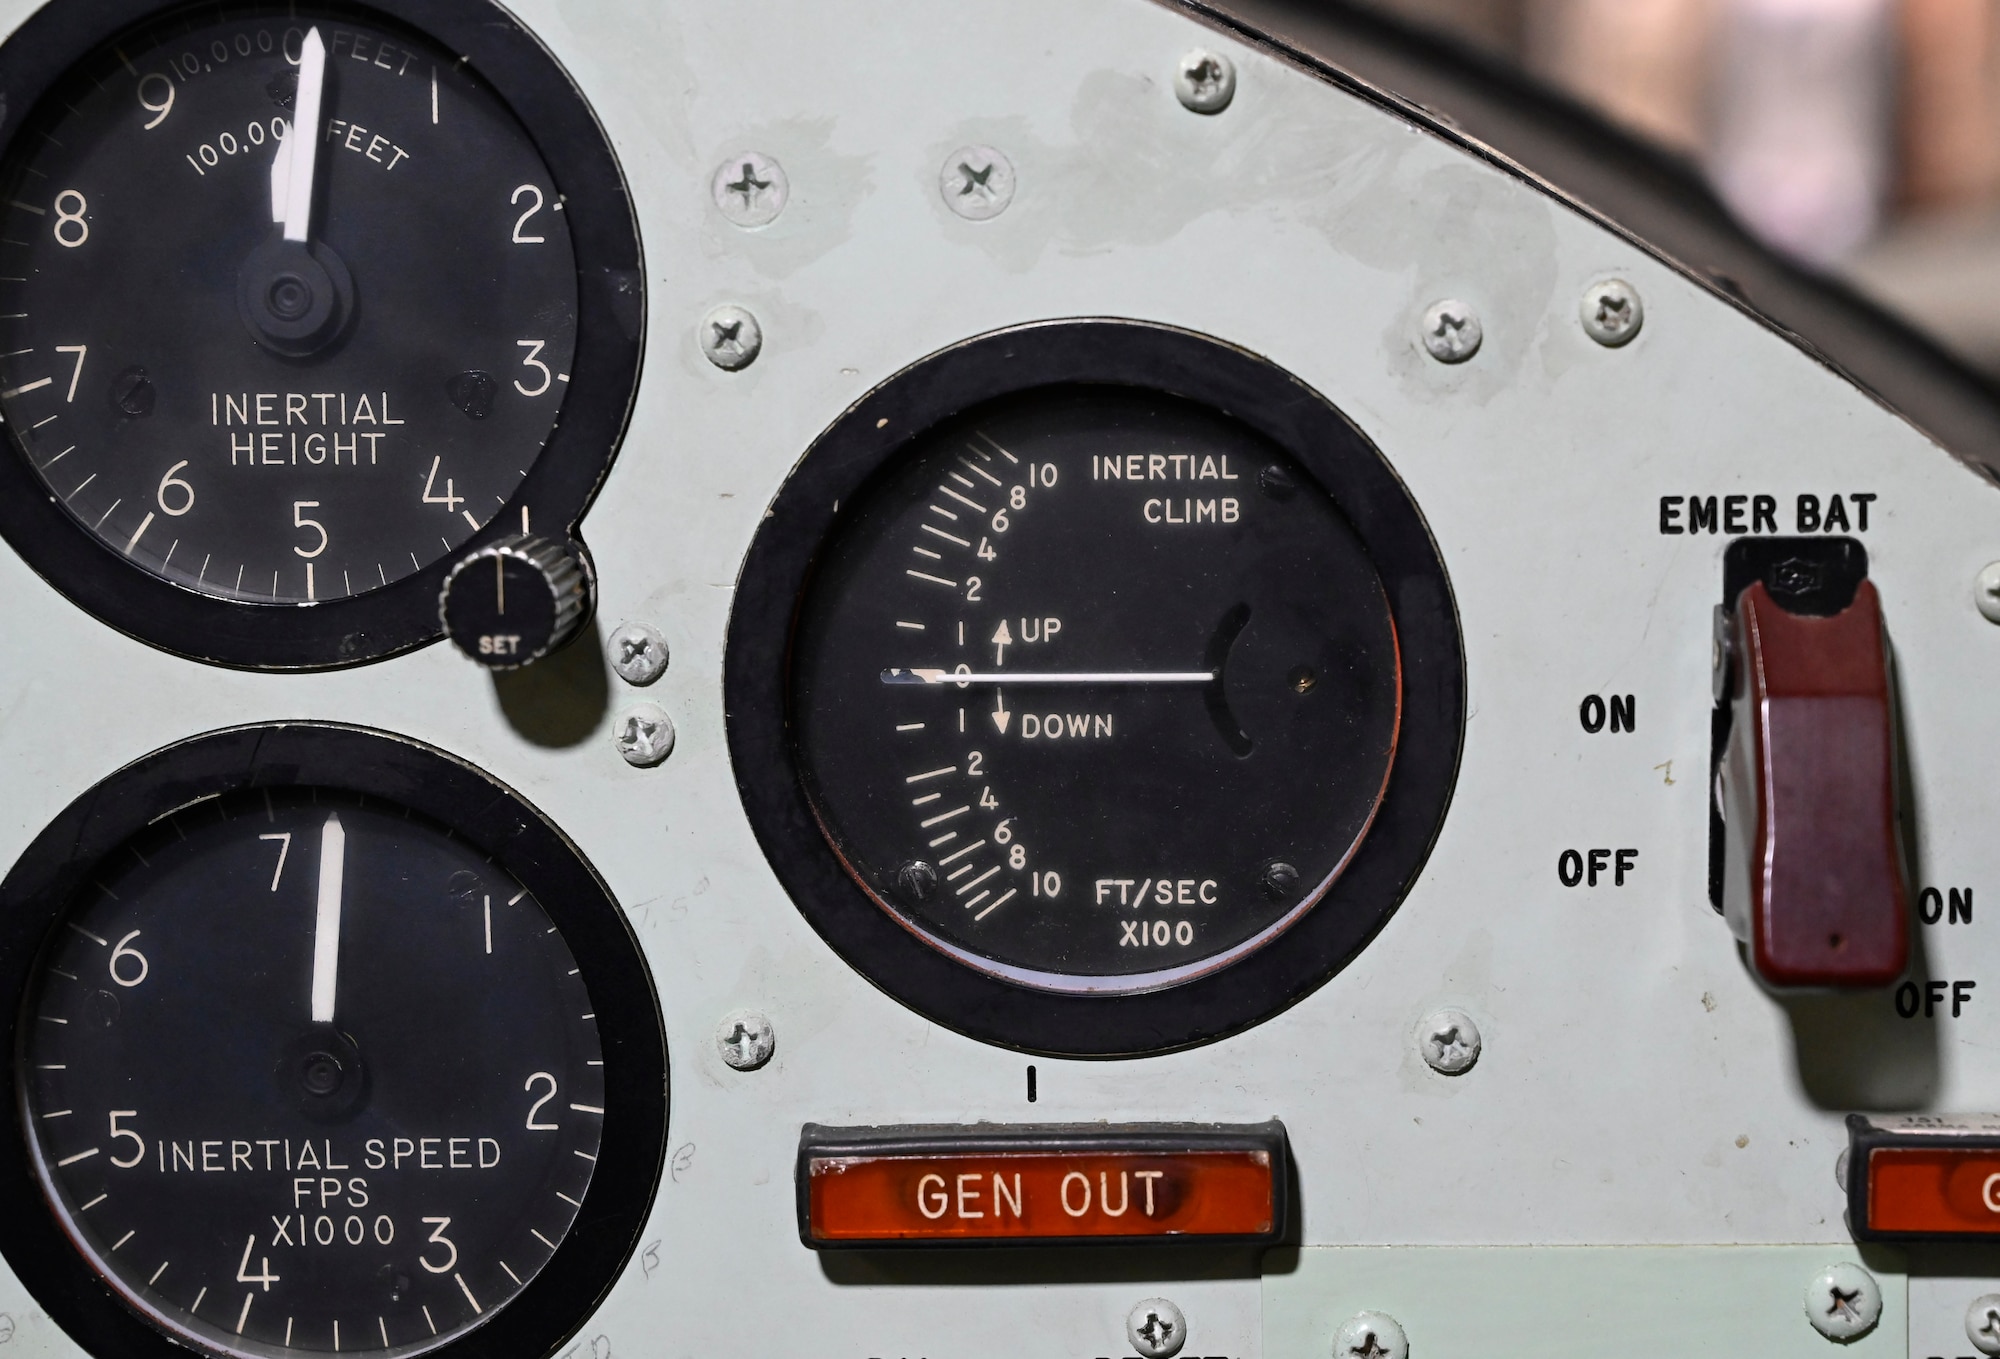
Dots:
pixel 322 1070
pixel 296 298
pixel 322 1073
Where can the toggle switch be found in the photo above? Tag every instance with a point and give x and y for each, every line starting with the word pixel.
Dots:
pixel 1811 872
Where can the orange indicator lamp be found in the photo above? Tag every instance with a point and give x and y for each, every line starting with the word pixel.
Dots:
pixel 1048 1184
pixel 1929 1177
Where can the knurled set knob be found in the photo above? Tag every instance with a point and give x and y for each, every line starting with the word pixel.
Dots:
pixel 515 600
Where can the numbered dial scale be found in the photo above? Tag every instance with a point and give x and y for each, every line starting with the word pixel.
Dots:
pixel 245 371
pixel 1099 691
pixel 304 1069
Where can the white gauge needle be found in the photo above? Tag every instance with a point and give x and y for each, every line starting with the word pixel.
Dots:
pixel 281 178
pixel 928 676
pixel 326 920
pixel 300 150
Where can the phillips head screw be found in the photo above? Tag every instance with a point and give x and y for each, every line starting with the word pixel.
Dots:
pixel 1843 1302
pixel 1982 1323
pixel 745 1039
pixel 1451 331
pixel 731 338
pixel 977 182
pixel 1450 1042
pixel 644 735
pixel 1371 1335
pixel 750 189
pixel 1156 1329
pixel 1205 82
pixel 1612 313
pixel 638 653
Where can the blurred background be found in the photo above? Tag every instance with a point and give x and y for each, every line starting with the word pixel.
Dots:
pixel 1860 138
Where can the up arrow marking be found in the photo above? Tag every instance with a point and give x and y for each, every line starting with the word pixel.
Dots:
pixel 1000 713
pixel 1002 639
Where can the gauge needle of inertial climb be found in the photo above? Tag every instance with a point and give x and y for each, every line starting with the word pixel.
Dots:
pixel 932 676
pixel 299 151
pixel 326 920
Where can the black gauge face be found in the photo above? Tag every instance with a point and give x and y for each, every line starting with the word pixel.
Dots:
pixel 1097 690
pixel 255 369
pixel 265 418
pixel 304 1070
pixel 1122 692
pixel 304 1074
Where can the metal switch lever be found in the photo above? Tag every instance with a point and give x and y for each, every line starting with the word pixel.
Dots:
pixel 1813 866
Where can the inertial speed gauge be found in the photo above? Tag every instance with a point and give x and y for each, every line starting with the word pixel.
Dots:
pixel 307 1068
pixel 1123 688
pixel 261 388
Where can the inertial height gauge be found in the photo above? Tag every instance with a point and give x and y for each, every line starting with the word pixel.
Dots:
pixel 262 388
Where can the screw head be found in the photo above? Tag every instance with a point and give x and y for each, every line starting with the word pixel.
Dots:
pixel 916 879
pixel 1612 313
pixel 1450 1042
pixel 1843 1301
pixel 751 189
pixel 1278 880
pixel 638 653
pixel 731 337
pixel 1275 482
pixel 1982 1323
pixel 1986 593
pixel 1156 1329
pixel 977 182
pixel 1205 82
pixel 132 392
pixel 745 1039
pixel 644 735
pixel 1371 1335
pixel 1452 332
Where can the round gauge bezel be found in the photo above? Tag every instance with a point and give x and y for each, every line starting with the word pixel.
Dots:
pixel 1240 386
pixel 558 488
pixel 37 894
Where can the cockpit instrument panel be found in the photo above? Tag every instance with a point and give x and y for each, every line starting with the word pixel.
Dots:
pixel 961 680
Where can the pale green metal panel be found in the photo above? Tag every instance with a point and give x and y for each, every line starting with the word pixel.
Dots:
pixel 1575 1302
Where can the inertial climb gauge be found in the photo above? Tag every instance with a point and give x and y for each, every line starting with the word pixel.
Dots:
pixel 1100 690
